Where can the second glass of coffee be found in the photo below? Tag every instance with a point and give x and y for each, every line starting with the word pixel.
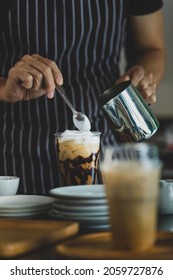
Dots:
pixel 78 155
pixel 131 174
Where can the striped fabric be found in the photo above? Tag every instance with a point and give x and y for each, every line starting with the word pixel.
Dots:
pixel 84 37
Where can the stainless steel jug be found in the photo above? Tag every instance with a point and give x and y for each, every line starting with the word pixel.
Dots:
pixel 129 116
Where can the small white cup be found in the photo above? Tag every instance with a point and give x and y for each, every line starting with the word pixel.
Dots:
pixel 166 196
pixel 8 185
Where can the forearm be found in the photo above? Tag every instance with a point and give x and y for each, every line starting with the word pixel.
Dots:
pixel 152 60
pixel 145 43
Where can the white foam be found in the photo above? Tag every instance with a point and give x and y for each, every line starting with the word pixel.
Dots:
pixel 79 136
pixel 74 133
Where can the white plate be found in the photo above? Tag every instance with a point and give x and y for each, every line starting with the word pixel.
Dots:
pixel 24 210
pixel 80 213
pixel 81 202
pixel 81 208
pixel 24 213
pixel 24 202
pixel 94 220
pixel 80 192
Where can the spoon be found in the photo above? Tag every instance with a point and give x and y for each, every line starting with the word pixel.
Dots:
pixel 80 120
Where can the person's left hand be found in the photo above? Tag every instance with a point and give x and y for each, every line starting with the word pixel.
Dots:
pixel 143 81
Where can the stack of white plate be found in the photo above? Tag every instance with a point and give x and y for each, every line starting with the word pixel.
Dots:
pixel 85 204
pixel 24 205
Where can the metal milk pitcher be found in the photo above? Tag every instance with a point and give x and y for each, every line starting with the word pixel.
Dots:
pixel 129 116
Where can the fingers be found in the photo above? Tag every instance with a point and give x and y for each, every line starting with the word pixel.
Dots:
pixel 29 76
pixel 25 77
pixel 45 73
pixel 149 94
pixel 34 75
pixel 147 88
pixel 41 74
pixel 143 80
pixel 54 68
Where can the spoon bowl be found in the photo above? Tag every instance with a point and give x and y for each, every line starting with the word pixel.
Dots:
pixel 80 120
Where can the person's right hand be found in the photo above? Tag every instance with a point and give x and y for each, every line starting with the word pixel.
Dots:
pixel 31 77
pixel 143 80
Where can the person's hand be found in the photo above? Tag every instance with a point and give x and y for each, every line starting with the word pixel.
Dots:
pixel 30 78
pixel 143 81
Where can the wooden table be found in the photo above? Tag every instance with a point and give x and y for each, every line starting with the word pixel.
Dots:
pixel 99 246
pixel 38 238
pixel 33 239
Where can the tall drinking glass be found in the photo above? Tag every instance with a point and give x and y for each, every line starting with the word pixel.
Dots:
pixel 131 175
pixel 78 155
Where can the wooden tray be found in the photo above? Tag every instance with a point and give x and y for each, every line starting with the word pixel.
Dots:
pixel 99 246
pixel 18 237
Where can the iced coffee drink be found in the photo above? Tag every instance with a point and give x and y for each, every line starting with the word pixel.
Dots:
pixel 132 191
pixel 78 154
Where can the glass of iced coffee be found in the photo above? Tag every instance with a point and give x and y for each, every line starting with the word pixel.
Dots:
pixel 131 175
pixel 78 155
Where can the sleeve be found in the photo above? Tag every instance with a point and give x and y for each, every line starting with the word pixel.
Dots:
pixel 143 7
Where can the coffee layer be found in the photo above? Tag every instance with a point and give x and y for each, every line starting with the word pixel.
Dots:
pixel 80 170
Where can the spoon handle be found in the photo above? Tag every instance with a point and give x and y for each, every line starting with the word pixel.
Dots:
pixel 64 96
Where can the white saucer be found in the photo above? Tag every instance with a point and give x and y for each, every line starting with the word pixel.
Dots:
pixel 94 220
pixel 81 214
pixel 21 202
pixel 80 192
pixel 81 208
pixel 80 202
pixel 24 213
pixel 24 210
